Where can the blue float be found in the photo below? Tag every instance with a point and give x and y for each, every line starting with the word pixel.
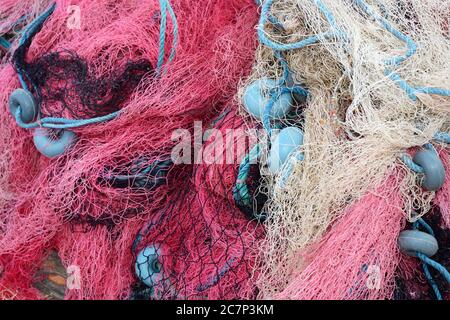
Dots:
pixel 257 95
pixel 23 100
pixel 148 268
pixel 288 140
pixel 52 145
pixel 413 241
pixel 433 169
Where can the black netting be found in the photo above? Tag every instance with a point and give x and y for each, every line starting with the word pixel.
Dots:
pixel 118 194
pixel 66 86
pixel 203 245
pixel 140 174
pixel 253 210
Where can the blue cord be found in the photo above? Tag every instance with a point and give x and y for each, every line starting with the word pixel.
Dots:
pixel 273 20
pixel 36 25
pixel 29 33
pixel 164 8
pixel 426 261
pixel 162 34
pixel 5 44
pixel 430 278
pixel 240 190
pixel 411 164
pixel 62 123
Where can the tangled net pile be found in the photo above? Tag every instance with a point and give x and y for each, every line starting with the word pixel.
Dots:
pixel 369 87
pixel 79 204
pixel 344 205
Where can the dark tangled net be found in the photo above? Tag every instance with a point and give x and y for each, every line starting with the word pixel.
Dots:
pixel 63 82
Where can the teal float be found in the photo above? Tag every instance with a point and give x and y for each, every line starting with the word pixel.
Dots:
pixel 433 169
pixel 23 101
pixel 53 143
pixel 412 242
pixel 257 95
pixel 148 267
pixel 287 141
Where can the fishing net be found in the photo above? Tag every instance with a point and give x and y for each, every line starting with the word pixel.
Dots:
pixel 373 71
pixel 66 87
pixel 91 203
pixel 128 220
pixel 442 199
pixel 205 244
pixel 14 15
pixel 351 268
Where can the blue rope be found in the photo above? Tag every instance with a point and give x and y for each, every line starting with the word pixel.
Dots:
pixel 411 164
pixel 430 278
pixel 29 33
pixel 36 25
pixel 162 34
pixel 435 265
pixel 62 123
pixel 273 20
pixel 411 45
pixel 426 261
pixel 164 8
pixel 5 44
pixel 425 225
pixel 240 190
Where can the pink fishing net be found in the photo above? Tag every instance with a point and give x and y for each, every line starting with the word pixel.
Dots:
pixel 69 203
pixel 358 257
